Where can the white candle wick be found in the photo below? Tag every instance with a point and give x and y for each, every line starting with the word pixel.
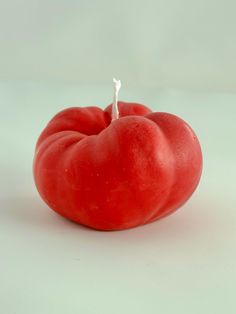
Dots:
pixel 115 110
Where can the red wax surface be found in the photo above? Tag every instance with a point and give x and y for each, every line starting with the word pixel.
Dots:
pixel 120 174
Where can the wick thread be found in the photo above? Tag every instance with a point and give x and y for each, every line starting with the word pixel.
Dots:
pixel 115 110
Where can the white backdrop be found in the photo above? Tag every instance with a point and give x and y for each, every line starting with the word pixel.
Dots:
pixel 160 43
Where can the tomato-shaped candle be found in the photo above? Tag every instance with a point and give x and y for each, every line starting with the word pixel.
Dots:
pixel 117 168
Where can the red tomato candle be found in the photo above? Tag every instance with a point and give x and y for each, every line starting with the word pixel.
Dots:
pixel 116 168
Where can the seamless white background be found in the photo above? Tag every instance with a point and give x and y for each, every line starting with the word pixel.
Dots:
pixel 175 56
pixel 165 43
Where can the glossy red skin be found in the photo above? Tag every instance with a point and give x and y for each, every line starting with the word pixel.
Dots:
pixel 116 175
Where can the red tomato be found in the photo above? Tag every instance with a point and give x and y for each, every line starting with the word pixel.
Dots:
pixel 120 174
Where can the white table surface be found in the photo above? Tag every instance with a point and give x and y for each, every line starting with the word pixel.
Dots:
pixel 185 263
